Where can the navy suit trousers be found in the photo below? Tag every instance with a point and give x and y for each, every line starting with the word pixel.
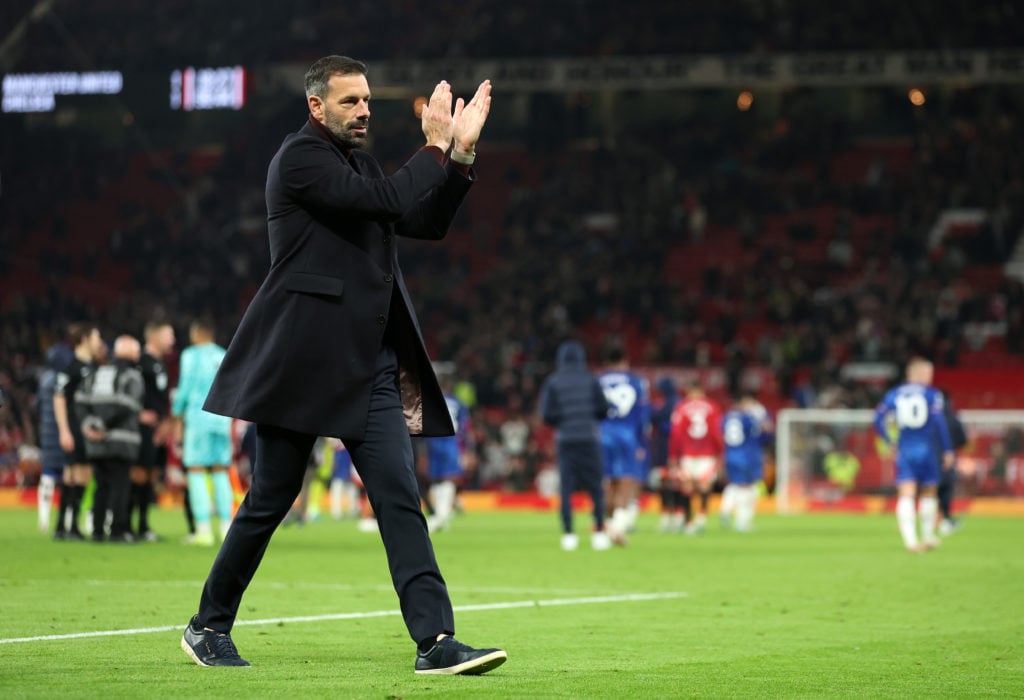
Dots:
pixel 384 460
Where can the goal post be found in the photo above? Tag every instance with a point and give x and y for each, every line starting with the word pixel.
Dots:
pixel 825 456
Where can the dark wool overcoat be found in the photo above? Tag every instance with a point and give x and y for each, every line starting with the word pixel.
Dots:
pixel 304 354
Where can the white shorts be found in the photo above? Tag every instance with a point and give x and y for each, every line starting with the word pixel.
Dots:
pixel 700 469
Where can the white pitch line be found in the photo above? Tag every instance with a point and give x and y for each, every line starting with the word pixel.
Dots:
pixel 626 598
pixel 303 585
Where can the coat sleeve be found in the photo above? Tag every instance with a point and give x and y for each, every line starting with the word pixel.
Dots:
pixel 313 172
pixel 548 404
pixel 434 212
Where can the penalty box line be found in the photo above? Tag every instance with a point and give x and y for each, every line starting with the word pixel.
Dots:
pixel 508 605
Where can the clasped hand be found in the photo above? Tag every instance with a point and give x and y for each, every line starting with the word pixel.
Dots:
pixel 440 125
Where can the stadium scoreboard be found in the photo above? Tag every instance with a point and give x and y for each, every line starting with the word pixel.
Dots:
pixel 190 89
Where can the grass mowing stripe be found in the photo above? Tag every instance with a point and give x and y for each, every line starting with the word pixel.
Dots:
pixel 508 605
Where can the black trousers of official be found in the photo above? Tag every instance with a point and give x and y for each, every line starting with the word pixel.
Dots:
pixel 384 460
pixel 579 462
pixel 113 492
pixel 947 485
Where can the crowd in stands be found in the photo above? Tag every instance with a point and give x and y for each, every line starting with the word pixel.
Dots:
pixel 795 243
pixel 109 33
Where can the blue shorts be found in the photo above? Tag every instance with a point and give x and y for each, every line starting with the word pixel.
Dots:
pixel 443 458
pixel 206 449
pixel 920 464
pixel 744 471
pixel 342 466
pixel 620 460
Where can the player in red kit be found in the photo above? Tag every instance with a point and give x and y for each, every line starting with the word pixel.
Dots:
pixel 695 449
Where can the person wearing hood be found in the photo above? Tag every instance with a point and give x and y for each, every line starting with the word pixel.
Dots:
pixel 573 402
pixel 58 357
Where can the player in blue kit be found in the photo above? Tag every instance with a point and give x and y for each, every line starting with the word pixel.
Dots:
pixel 445 457
pixel 206 450
pixel 744 430
pixel 916 409
pixel 624 440
pixel 345 495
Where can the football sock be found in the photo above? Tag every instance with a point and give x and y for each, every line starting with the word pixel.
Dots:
pixel 687 506
pixel 337 493
pixel 190 519
pixel 905 520
pixel 223 496
pixel 199 497
pixel 946 499
pixel 86 494
pixel 76 492
pixel 620 520
pixel 728 499
pixel 135 501
pixel 65 507
pixel 678 520
pixel 666 507
pixel 632 513
pixel 316 495
pixel 44 499
pixel 745 503
pixel 353 498
pixel 927 510
pixel 146 496
pixel 443 495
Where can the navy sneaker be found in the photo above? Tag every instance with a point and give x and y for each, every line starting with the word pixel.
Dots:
pixel 450 656
pixel 209 648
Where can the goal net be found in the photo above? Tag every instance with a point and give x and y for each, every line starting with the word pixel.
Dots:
pixel 831 457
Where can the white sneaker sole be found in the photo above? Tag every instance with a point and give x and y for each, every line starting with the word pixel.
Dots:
pixel 477 666
pixel 185 647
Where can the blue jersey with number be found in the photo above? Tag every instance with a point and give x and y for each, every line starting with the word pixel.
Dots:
pixel 624 433
pixel 917 411
pixel 743 438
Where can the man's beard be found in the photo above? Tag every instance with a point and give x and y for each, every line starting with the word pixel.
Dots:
pixel 342 131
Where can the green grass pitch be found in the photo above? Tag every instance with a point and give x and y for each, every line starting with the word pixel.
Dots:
pixel 808 606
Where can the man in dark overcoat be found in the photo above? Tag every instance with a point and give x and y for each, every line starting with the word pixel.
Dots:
pixel 330 346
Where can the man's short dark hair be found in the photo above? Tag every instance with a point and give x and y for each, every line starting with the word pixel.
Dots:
pixel 153 327
pixel 321 71
pixel 615 354
pixel 77 332
pixel 203 325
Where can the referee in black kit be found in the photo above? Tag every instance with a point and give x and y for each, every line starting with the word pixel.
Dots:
pixel 159 337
